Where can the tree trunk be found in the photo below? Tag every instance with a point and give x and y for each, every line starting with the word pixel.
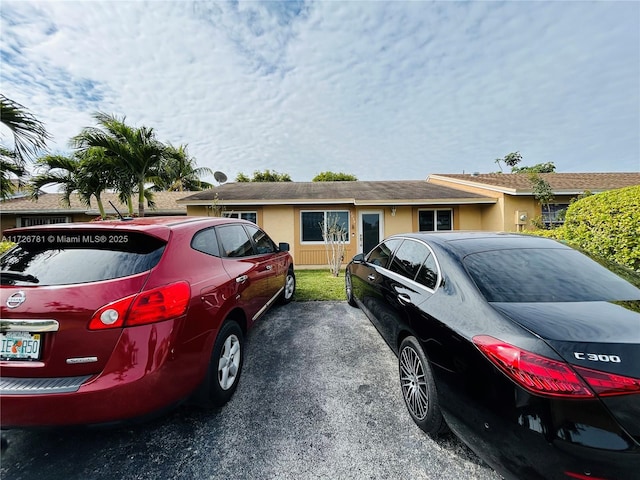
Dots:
pixel 103 214
pixel 141 199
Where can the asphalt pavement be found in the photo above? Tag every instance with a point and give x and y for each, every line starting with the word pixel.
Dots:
pixel 318 398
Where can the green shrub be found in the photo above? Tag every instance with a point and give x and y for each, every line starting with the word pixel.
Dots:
pixel 606 224
pixel 556 232
pixel 4 246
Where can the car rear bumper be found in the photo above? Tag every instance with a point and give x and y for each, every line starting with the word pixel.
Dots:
pixel 528 451
pixel 141 377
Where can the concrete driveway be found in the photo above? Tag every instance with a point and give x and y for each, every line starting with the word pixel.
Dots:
pixel 318 398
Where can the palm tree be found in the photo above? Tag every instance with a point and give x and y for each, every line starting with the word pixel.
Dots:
pixel 178 173
pixel 29 137
pixel 59 170
pixel 10 169
pixel 94 178
pixel 83 173
pixel 134 153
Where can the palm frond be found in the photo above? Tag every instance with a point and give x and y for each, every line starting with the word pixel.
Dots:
pixel 29 133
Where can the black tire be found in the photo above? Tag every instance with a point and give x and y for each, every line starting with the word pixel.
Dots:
pixel 419 389
pixel 348 290
pixel 289 287
pixel 226 364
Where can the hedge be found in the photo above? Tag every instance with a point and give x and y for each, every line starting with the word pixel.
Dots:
pixel 606 224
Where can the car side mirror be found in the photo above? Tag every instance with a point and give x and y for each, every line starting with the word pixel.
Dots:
pixel 359 258
pixel 283 247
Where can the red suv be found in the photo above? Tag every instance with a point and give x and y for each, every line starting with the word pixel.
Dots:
pixel 109 321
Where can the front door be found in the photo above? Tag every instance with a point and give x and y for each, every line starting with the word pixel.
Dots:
pixel 371 230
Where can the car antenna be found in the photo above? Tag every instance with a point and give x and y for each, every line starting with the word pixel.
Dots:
pixel 119 214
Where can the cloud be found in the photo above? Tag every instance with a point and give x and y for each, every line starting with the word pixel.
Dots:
pixel 383 90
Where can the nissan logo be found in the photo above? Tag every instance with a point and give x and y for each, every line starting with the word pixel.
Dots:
pixel 16 299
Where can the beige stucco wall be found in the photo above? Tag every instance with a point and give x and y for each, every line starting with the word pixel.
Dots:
pixel 279 222
pixel 401 222
pixel 528 205
pixel 198 211
pixel 7 221
pixel 501 216
pixel 492 217
pixel 514 206
pixel 468 217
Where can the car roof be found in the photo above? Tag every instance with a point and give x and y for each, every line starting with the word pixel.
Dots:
pixel 466 242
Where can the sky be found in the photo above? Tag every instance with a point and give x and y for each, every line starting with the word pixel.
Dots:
pixel 383 90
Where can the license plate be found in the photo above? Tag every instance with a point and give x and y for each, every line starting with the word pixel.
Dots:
pixel 19 346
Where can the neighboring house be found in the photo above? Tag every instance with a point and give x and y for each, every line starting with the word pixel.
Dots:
pixel 50 208
pixel 516 205
pixel 295 212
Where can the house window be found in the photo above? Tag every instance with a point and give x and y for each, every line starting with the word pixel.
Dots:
pixel 435 220
pixel 251 216
pixel 313 223
pixel 553 214
pixel 34 221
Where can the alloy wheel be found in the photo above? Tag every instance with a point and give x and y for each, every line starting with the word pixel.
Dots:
pixel 413 383
pixel 289 286
pixel 229 363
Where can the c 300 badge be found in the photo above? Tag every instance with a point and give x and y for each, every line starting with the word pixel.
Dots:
pixel 597 357
pixel 16 299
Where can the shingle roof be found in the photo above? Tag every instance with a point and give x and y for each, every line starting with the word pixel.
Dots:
pixel 357 193
pixel 166 203
pixel 559 182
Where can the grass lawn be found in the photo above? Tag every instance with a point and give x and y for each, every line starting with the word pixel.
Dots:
pixel 314 285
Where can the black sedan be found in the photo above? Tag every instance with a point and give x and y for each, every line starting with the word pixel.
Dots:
pixel 525 348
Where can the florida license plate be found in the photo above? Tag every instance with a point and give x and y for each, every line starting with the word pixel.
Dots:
pixel 19 346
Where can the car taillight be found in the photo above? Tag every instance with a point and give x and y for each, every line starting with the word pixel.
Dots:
pixel 535 373
pixel 162 303
pixel 608 384
pixel 544 376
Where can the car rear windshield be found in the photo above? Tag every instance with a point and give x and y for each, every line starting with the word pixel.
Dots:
pixel 55 258
pixel 545 275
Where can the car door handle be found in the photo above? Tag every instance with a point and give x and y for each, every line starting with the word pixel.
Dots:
pixel 404 299
pixel 269 267
pixel 242 279
pixel 371 277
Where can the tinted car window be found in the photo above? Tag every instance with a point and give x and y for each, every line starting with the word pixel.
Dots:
pixel 381 254
pixel 234 241
pixel 545 275
pixel 428 273
pixel 262 241
pixel 408 258
pixel 80 257
pixel 206 241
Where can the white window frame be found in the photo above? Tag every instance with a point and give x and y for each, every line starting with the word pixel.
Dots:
pixel 435 218
pixel 551 219
pixel 238 214
pixel 324 212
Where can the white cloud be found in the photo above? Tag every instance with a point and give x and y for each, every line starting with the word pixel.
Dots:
pixel 383 90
